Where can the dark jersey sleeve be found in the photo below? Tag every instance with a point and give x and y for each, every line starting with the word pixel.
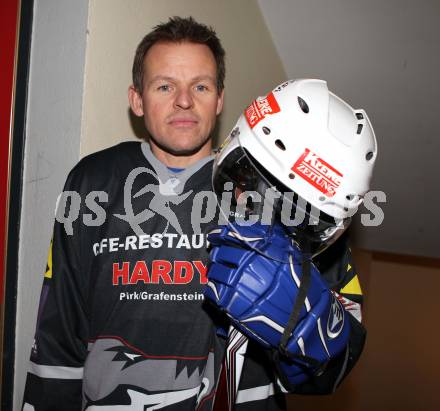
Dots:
pixel 54 380
pixel 337 267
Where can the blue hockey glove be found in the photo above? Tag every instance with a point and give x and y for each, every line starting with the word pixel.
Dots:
pixel 256 277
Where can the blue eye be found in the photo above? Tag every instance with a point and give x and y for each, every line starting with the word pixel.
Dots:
pixel 201 87
pixel 164 87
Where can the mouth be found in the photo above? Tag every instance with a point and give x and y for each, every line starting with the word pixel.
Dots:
pixel 183 122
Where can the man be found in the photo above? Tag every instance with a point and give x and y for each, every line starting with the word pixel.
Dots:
pixel 122 323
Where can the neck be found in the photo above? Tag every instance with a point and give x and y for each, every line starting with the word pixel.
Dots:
pixel 171 160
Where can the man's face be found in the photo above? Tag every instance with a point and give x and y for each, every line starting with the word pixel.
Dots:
pixel 180 101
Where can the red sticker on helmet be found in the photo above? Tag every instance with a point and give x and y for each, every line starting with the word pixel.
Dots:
pixel 318 173
pixel 260 108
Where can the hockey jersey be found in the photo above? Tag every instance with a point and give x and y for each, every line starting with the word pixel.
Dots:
pixel 122 322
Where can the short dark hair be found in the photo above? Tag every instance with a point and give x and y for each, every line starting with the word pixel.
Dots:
pixel 176 30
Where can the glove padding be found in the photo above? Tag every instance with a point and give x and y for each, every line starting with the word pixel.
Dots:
pixel 254 276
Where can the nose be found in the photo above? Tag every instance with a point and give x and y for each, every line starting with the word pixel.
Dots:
pixel 184 99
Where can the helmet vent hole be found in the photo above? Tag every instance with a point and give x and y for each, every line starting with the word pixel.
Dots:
pixel 349 197
pixel 369 155
pixel 280 145
pixel 359 116
pixel 291 176
pixel 266 130
pixel 303 105
pixel 359 130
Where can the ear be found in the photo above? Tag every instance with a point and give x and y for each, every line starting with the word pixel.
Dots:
pixel 135 100
pixel 220 99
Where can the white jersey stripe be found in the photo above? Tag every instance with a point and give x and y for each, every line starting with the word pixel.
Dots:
pixel 255 394
pixel 52 371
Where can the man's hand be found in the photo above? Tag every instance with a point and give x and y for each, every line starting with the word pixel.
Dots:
pixel 255 277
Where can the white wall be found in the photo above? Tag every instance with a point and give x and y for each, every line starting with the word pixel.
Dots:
pixel 52 148
pixel 382 56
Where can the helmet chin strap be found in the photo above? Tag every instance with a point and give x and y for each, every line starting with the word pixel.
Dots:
pixel 305 246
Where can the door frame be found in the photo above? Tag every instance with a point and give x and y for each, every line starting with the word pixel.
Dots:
pixel 15 41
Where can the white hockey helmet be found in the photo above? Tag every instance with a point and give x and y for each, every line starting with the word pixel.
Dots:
pixel 302 139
